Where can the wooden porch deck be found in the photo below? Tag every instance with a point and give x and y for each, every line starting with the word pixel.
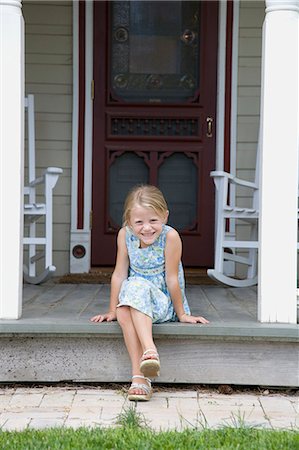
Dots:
pixel 55 341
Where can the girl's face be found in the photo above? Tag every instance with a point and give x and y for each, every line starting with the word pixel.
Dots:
pixel 146 224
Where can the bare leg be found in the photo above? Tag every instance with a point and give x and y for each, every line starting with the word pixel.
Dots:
pixel 150 364
pixel 132 342
pixel 144 329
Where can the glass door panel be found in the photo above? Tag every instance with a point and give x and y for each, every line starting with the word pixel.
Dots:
pixel 178 180
pixel 126 170
pixel 154 51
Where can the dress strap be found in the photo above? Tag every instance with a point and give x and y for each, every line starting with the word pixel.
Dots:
pixel 165 230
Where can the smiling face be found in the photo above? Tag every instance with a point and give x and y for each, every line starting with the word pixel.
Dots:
pixel 146 224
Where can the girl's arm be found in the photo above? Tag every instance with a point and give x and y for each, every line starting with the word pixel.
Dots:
pixel 173 254
pixel 120 274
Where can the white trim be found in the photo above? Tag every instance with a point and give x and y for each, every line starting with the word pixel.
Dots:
pixel 82 236
pixel 221 86
pixel 74 195
pixel 229 266
pixel 234 102
pixel 234 88
pixel 282 5
pixel 277 289
pixel 11 158
pixel 88 121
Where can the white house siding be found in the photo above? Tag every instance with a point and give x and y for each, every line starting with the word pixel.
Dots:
pixel 48 75
pixel 249 84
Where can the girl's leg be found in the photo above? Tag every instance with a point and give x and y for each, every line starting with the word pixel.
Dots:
pixel 132 342
pixel 144 329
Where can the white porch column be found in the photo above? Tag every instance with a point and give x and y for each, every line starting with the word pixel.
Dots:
pixel 279 163
pixel 11 157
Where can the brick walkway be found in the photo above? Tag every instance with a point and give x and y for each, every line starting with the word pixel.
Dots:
pixel 78 406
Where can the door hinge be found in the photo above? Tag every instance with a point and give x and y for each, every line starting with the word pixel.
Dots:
pixel 92 90
pixel 90 219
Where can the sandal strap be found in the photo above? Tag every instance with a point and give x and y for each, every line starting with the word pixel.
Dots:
pixel 143 377
pixel 142 386
pixel 153 353
pixel 150 350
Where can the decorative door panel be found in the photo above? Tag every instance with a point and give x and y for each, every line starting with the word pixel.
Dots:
pixel 154 113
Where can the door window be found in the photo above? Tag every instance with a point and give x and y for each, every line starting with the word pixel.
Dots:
pixel 154 51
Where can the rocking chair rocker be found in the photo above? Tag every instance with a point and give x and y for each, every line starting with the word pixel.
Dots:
pixel 34 211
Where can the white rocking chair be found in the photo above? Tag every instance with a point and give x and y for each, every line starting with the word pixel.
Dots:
pixel 34 211
pixel 226 245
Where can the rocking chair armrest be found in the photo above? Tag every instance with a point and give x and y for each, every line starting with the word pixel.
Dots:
pixel 53 170
pixel 245 183
pixel 221 174
pixel 47 172
pixel 39 180
pixel 231 179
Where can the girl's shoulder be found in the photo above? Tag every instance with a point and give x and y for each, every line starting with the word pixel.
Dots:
pixel 171 236
pixel 122 231
pixel 170 232
pixel 121 236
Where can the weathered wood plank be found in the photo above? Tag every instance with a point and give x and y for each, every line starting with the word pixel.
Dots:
pixel 200 304
pixel 227 305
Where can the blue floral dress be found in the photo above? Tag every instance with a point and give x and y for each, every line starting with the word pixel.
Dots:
pixel 145 289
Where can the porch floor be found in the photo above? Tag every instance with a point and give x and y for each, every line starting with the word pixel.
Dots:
pixel 55 308
pixel 55 340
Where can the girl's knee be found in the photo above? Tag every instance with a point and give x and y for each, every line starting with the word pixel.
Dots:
pixel 123 315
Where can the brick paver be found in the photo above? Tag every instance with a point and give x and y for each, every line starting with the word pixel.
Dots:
pixel 178 409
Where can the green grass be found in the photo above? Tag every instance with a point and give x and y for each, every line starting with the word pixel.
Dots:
pixel 131 432
pixel 132 437
pixel 129 417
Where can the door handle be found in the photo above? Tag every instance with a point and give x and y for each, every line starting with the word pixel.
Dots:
pixel 209 127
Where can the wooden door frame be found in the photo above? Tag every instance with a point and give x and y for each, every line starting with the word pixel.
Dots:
pixel 82 236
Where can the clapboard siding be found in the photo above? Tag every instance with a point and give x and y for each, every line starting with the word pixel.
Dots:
pixel 54 103
pixel 37 58
pixel 49 89
pixel 249 83
pixel 49 44
pixel 48 75
pixel 48 13
pixel 56 30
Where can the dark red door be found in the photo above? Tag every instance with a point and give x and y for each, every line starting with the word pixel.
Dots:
pixel 154 117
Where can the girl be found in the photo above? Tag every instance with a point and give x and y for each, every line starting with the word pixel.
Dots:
pixel 149 251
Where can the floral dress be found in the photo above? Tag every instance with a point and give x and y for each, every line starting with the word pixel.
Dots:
pixel 145 289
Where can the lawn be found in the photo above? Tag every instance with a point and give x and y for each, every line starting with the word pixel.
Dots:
pixel 142 438
pixel 131 432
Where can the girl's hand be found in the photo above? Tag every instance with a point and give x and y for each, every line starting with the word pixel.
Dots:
pixel 109 317
pixel 186 318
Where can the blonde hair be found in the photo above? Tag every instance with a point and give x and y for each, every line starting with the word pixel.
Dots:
pixel 147 196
